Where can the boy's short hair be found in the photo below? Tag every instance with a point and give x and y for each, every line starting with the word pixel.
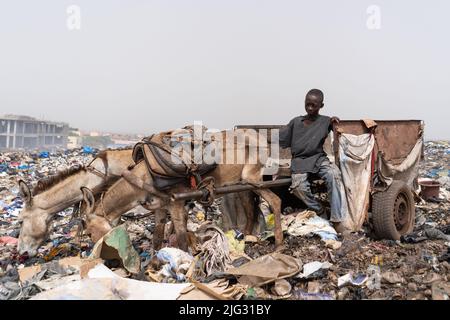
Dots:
pixel 316 92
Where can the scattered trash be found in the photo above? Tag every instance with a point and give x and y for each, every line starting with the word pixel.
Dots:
pixel 116 245
pixel 8 240
pixel 215 251
pixel 250 238
pixel 333 244
pixel 314 287
pixel 175 262
pixel 27 273
pixel 431 277
pixel 266 269
pixel 62 250
pixel 87 150
pixel 281 288
pixel 301 295
pixel 425 234
pixel 270 221
pixel 412 286
pixel 429 189
pixel 343 293
pixel 225 264
pixel 440 290
pixel 113 288
pixel 445 256
pixel 314 269
pixel 391 277
pixel 200 216
pixel 235 245
pixel 307 222
pixel 215 290
pixel 44 154
pixel 435 234
pixel 350 279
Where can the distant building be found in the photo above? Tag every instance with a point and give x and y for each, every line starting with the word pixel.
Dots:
pixel 74 139
pixel 23 132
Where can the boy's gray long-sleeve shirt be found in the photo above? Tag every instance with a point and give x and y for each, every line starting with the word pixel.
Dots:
pixel 306 143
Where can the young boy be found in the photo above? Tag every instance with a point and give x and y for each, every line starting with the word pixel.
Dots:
pixel 305 135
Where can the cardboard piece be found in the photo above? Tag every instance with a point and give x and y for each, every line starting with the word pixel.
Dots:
pixel 116 244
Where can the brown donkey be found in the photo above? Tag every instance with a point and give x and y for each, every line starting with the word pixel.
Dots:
pixel 63 190
pixel 137 187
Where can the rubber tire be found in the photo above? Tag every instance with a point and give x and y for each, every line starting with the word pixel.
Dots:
pixel 383 204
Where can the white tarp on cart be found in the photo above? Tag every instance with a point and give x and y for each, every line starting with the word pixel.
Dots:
pixel 355 162
pixel 405 171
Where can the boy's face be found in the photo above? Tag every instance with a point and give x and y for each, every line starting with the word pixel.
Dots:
pixel 313 104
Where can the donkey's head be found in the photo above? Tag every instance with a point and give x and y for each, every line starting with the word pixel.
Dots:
pixel 96 225
pixel 35 223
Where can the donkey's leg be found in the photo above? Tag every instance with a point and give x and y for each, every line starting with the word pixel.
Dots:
pixel 275 203
pixel 160 222
pixel 248 204
pixel 179 219
pixel 252 173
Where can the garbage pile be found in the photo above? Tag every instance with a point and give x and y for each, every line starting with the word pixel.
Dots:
pixel 315 263
pixel 433 213
pixel 31 167
pixel 436 164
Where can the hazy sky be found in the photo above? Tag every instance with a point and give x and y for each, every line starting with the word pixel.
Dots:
pixel 146 66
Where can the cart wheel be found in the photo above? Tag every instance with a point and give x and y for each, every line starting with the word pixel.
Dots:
pixel 393 211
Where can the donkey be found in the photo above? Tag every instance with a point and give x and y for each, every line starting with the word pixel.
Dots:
pixel 63 190
pixel 137 183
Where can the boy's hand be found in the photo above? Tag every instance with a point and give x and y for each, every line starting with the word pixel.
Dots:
pixel 334 120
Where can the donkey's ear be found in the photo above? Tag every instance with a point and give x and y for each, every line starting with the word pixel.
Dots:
pixel 89 200
pixel 25 192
